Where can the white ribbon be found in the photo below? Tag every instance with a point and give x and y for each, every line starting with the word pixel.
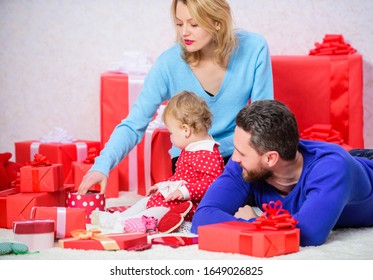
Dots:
pixel 135 84
pixel 61 222
pixel 81 151
pixel 34 149
pixel 134 63
pixel 153 125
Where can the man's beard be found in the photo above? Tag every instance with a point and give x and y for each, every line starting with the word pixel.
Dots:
pixel 256 175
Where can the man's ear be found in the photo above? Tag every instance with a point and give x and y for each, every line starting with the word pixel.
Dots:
pixel 271 158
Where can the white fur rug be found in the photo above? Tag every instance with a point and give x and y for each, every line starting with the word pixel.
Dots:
pixel 346 244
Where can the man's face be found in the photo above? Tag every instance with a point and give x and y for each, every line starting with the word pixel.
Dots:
pixel 253 167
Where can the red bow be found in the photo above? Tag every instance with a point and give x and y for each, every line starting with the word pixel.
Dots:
pixel 92 153
pixel 333 44
pixel 40 160
pixel 326 133
pixel 274 217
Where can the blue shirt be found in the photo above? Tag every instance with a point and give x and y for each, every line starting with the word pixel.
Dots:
pixel 248 76
pixel 334 190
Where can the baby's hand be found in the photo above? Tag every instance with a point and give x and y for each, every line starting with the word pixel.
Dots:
pixel 175 195
pixel 153 190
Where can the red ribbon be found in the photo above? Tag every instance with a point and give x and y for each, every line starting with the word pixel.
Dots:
pixel 325 133
pixel 333 44
pixel 40 160
pixel 92 154
pixel 275 217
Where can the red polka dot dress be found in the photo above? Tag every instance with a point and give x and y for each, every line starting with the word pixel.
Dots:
pixel 199 164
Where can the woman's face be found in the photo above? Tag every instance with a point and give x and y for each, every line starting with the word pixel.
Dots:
pixel 194 37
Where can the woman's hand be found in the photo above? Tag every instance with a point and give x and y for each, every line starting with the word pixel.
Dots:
pixel 90 179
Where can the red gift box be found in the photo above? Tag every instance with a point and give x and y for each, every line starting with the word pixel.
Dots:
pixel 118 92
pixel 90 201
pixel 64 153
pixel 66 219
pixel 93 240
pixel 246 238
pixel 323 90
pixel 16 206
pixel 41 178
pixel 3 205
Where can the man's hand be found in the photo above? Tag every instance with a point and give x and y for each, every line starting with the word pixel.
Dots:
pixel 246 213
pixel 90 179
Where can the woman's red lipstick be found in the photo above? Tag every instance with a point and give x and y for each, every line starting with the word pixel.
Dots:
pixel 188 42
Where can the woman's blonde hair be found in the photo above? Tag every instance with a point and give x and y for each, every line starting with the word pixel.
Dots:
pixel 189 109
pixel 209 14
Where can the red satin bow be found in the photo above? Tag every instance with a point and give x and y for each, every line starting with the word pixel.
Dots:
pixel 92 153
pixel 274 217
pixel 40 160
pixel 326 133
pixel 333 44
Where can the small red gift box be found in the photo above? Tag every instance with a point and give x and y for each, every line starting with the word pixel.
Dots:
pixel 18 206
pixel 41 178
pixel 66 219
pixel 245 238
pixel 36 234
pixel 273 233
pixel 90 201
pixel 64 153
pixel 93 240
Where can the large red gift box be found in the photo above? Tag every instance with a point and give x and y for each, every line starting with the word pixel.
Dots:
pixel 323 90
pixel 118 92
pixel 41 178
pixel 66 219
pixel 87 240
pixel 245 238
pixel 16 206
pixel 64 153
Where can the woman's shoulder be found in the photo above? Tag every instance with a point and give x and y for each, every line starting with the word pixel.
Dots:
pixel 247 37
pixel 172 54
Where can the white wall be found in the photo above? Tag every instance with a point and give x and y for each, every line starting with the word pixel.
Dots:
pixel 52 52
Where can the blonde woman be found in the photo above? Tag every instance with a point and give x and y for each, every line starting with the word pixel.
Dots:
pixel 225 67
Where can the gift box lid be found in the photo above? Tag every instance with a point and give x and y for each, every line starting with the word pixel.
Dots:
pixel 33 226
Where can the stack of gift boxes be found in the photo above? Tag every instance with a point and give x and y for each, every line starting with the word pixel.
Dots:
pixel 46 207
